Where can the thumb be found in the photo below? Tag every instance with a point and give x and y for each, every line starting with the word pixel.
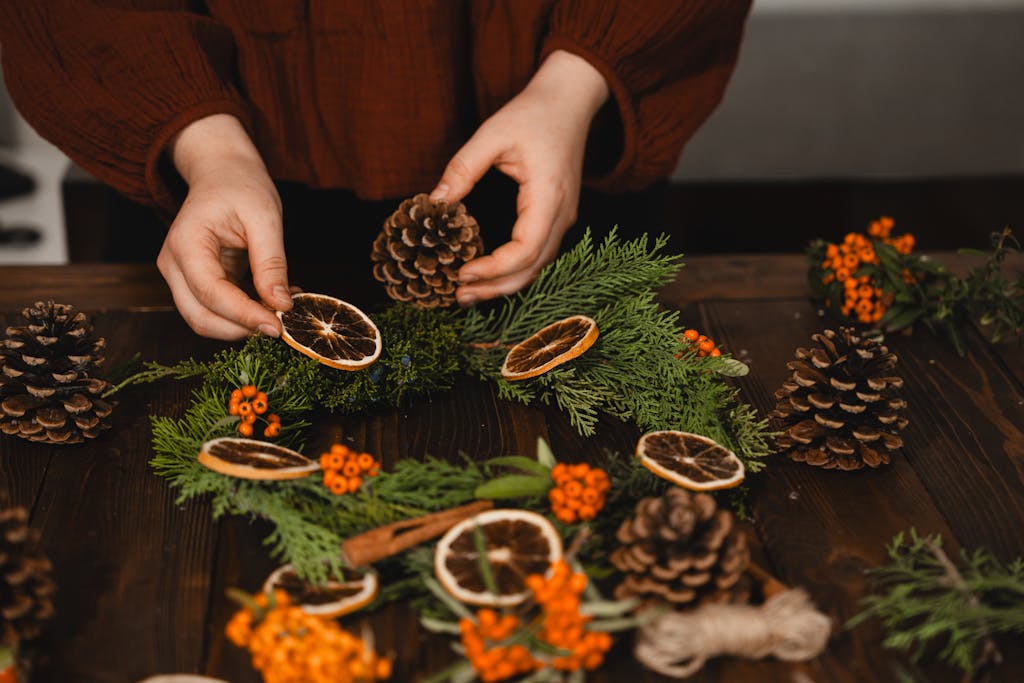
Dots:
pixel 268 264
pixel 467 167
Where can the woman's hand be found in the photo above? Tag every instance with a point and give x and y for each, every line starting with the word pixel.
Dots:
pixel 232 208
pixel 537 139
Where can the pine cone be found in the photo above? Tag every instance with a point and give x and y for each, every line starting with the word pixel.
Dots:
pixel 46 391
pixel 840 408
pixel 26 587
pixel 420 249
pixel 681 549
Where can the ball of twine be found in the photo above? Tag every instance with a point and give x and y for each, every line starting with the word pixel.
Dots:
pixel 786 625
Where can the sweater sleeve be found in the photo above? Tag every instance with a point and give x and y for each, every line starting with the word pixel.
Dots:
pixel 110 82
pixel 666 62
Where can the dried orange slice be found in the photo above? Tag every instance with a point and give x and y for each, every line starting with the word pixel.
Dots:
pixel 692 461
pixel 518 543
pixel 333 599
pixel 252 459
pixel 555 344
pixel 332 331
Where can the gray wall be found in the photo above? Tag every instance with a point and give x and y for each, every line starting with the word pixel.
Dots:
pixel 870 88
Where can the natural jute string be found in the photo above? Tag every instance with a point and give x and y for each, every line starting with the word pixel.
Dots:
pixel 786 625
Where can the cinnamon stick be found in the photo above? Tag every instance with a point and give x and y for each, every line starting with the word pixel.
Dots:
pixel 391 539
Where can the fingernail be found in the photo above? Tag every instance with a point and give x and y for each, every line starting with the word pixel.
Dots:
pixel 440 191
pixel 282 295
pixel 467 299
pixel 468 277
pixel 269 330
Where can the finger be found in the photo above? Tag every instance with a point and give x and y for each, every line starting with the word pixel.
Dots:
pixel 208 283
pixel 202 321
pixel 467 166
pixel 268 263
pixel 538 212
pixel 512 283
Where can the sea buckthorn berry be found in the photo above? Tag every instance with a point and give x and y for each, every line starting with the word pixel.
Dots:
pixel 272 430
pixel 259 405
pixel 236 395
pixel 365 461
pixel 351 468
pixel 273 417
pixel 338 486
pixel 232 409
pixel 245 429
pixel 249 391
pixel 244 408
pixel 691 335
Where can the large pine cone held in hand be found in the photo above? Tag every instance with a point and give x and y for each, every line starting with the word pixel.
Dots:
pixel 421 247
pixel 47 389
pixel 841 407
pixel 683 550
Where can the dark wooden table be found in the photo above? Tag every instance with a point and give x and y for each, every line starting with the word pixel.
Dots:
pixel 142 579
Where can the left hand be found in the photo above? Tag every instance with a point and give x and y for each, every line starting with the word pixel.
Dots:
pixel 537 139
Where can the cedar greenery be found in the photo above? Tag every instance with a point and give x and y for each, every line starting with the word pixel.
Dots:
pixel 934 296
pixel 924 597
pixel 631 372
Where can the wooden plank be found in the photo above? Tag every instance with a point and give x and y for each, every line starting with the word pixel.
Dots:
pixel 132 567
pixel 821 528
pixel 967 432
pixel 90 287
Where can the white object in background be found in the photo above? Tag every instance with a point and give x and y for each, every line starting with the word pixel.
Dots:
pixel 44 208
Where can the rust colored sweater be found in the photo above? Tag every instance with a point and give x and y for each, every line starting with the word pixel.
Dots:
pixel 369 95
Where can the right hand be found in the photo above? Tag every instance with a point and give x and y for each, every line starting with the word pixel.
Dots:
pixel 232 205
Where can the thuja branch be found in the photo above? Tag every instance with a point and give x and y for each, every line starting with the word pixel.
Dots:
pixel 923 596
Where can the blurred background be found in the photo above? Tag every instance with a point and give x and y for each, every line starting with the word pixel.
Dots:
pixel 839 111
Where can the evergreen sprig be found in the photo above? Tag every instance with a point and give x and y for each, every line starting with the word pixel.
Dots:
pixel 636 370
pixel 922 597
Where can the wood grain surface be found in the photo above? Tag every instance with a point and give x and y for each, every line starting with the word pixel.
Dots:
pixel 142 579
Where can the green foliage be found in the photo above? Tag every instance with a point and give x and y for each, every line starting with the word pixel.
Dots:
pixel 934 296
pixel 632 371
pixel 922 597
pixel 421 354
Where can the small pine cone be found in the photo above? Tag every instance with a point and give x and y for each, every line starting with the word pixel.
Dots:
pixel 47 389
pixel 421 247
pixel 683 550
pixel 26 586
pixel 841 408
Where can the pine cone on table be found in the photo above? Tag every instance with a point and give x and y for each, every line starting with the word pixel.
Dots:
pixel 26 585
pixel 841 408
pixel 681 549
pixel 421 247
pixel 47 389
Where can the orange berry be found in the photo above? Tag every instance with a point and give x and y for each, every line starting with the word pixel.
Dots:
pixel 595 477
pixel 338 486
pixel 272 430
pixel 354 483
pixel 706 346
pixel 334 460
pixel 692 335
pixel 579 470
pixel 851 261
pixel 590 496
pixel 249 418
pixel 865 291
pixel 863 307
pixel 842 273
pixel 236 395
pixel 232 409
pixel 715 353
pixel 249 390
pixel 565 515
pixel 273 417
pixel 245 429
pixel 382 669
pixel 351 468
pixel 259 406
pixel 573 489
pixel 556 496
pixel 365 461
pixel 244 408
pixel 587 512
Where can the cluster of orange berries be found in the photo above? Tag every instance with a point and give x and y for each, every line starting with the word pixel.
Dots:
pixel 861 299
pixel 344 469
pixel 564 626
pixel 497 662
pixel 290 646
pixel 579 492
pixel 699 343
pixel 249 404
